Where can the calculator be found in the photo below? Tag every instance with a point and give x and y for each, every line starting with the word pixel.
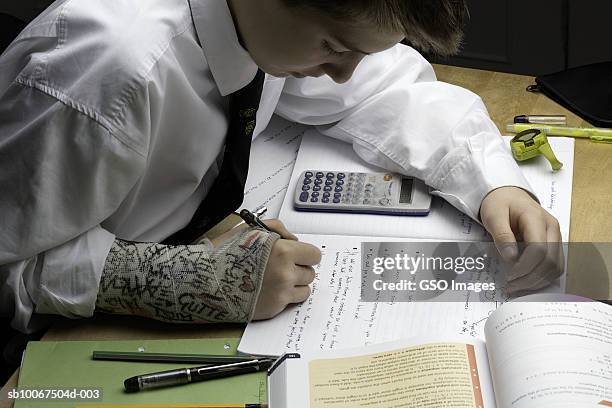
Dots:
pixel 372 193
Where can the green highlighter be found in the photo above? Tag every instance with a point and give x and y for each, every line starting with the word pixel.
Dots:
pixel 598 135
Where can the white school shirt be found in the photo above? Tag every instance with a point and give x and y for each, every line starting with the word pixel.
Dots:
pixel 113 114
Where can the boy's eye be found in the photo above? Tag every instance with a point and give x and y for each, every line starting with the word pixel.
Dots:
pixel 329 49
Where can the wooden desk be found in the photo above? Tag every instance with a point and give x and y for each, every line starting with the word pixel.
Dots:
pixel 505 97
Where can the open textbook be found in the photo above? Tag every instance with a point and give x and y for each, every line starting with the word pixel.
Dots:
pixel 536 354
pixel 334 317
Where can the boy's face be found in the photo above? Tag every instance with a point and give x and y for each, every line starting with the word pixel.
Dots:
pixel 299 42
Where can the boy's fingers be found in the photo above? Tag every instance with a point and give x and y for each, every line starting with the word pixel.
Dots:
pixel 305 275
pixel 542 250
pixel 498 226
pixel 553 231
pixel 534 228
pixel 280 229
pixel 300 294
pixel 305 254
pixel 526 263
pixel 541 262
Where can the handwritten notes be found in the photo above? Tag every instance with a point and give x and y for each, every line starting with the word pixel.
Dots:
pixel 334 316
pixel 273 154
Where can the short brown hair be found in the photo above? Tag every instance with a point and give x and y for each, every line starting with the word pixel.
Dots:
pixel 430 25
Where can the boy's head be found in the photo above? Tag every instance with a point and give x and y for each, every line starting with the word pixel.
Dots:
pixel 316 37
pixel 430 25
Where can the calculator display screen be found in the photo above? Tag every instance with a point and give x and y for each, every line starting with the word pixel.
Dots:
pixel 406 191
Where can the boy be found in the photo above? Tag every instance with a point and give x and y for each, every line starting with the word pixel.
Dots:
pixel 113 121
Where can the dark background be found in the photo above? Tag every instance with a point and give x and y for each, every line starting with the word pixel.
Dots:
pixel 534 37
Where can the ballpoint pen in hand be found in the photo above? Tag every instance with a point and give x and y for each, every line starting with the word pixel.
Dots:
pixel 252 219
pixel 188 375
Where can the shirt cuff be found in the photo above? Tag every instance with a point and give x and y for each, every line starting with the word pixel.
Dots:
pixel 71 275
pixel 472 171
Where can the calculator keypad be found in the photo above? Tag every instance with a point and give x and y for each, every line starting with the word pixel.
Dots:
pixel 347 188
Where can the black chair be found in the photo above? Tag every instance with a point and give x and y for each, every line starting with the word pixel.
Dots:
pixel 10 27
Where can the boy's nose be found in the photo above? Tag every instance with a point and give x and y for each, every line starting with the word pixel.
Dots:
pixel 342 71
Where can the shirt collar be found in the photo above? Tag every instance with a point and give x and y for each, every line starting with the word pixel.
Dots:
pixel 231 65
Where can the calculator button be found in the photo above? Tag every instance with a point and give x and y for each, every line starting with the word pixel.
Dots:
pixel 316 188
pixel 320 174
pixel 367 201
pixel 338 189
pixel 305 187
pixel 314 200
pixel 336 200
pixel 304 197
pixel 329 182
pixel 308 174
pixel 307 181
pixel 325 200
pixel 314 194
pixel 384 201
pixel 339 182
pixel 337 195
pixel 325 195
pixel 340 176
pixel 327 188
pixel 318 181
pixel 329 175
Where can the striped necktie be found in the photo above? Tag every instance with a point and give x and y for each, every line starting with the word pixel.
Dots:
pixel 227 192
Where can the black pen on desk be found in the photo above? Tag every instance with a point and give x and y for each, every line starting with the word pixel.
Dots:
pixel 194 374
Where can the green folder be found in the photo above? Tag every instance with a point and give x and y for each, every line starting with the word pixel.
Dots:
pixel 68 364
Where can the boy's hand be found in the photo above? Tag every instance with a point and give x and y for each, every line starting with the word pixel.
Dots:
pixel 288 273
pixel 511 215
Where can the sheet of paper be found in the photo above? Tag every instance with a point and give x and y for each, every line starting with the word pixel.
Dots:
pixel 334 317
pixel 273 155
pixel 443 222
